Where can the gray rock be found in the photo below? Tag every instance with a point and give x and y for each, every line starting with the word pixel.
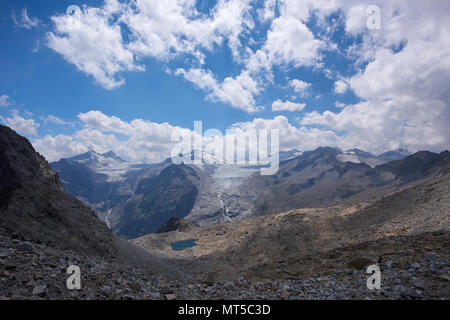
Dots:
pixel 155 295
pixel 4 254
pixel 431 256
pixel 399 289
pixel 90 263
pixel 166 290
pixel 170 297
pixel 107 290
pixel 10 266
pixel 435 269
pixel 25 247
pixel 416 265
pixel 415 294
pixel 39 290
pixel 418 284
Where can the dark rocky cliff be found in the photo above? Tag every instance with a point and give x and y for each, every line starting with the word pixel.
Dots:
pixel 34 205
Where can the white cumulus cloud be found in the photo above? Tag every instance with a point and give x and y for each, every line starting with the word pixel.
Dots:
pixel 300 86
pixel 20 124
pixel 239 92
pixel 340 87
pixel 401 71
pixel 279 105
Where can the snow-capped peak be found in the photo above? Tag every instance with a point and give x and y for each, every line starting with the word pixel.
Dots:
pixel 107 163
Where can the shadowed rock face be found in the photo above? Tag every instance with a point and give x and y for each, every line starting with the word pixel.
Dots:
pixel 82 182
pixel 171 194
pixel 104 182
pixel 34 205
pixel 395 154
pixel 177 224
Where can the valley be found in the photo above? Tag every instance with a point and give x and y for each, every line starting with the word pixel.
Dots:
pixel 139 199
pixel 224 150
pixel 276 245
pixel 399 220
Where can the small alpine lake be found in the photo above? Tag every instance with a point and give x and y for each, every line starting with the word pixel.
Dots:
pixel 182 245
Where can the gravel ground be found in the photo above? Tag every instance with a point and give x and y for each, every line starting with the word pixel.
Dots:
pixel 36 271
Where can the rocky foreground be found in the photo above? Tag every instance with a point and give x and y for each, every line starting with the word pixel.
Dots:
pixel 35 271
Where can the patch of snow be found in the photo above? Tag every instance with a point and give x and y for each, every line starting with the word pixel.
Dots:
pixel 348 158
pixel 108 164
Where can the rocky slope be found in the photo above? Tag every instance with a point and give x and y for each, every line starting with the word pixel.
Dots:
pixel 412 267
pixel 396 232
pixel 31 270
pixel 34 205
pixel 39 272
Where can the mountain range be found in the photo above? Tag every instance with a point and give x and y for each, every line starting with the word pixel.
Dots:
pixel 137 199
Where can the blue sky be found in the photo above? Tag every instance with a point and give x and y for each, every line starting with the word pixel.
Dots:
pixel 227 63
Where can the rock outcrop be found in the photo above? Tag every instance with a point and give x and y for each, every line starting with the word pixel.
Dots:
pixel 34 206
pixel 177 224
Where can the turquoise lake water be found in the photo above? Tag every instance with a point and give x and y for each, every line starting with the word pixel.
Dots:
pixel 181 245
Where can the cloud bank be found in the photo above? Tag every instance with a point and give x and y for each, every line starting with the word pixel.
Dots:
pixel 400 78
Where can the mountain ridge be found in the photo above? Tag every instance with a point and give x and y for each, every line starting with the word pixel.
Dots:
pixel 233 192
pixel 319 179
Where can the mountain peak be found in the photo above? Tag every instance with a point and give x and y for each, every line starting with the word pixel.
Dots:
pixel 327 151
pixel 360 152
pixel 112 155
pixel 91 154
pixel 395 154
pixel 92 157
